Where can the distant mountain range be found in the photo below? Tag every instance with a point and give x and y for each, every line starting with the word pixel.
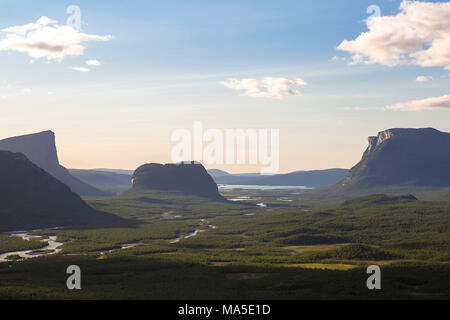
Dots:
pixel 107 181
pixel 313 178
pixel 40 148
pixel 37 192
pixel 216 173
pixel 398 159
pixel 118 171
pixel 31 198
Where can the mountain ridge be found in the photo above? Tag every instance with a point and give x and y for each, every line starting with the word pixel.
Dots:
pixel 103 180
pixel 308 178
pixel 40 148
pixel 402 157
pixel 32 198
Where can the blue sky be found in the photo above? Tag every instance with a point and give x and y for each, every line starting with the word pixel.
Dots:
pixel 164 66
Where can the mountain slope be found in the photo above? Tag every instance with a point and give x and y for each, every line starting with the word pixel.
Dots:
pixel 106 181
pixel 313 178
pixel 217 173
pixel 118 171
pixel 402 157
pixel 40 148
pixel 31 198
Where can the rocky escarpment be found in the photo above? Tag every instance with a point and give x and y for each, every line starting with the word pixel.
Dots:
pixel 396 157
pixel 40 148
pixel 189 178
pixel 31 198
pixel 383 136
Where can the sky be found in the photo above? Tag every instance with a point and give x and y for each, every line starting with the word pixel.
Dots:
pixel 326 74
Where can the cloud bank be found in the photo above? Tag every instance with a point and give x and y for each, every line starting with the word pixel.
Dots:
pixel 46 39
pixel 432 103
pixel 419 34
pixel 275 88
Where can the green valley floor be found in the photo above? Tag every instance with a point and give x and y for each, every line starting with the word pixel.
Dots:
pixel 268 244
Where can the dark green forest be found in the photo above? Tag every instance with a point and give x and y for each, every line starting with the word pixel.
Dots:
pixel 287 250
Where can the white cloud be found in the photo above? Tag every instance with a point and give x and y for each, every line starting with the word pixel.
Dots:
pixel 93 63
pixel 27 91
pixel 424 78
pixel 336 58
pixel 80 69
pixel 42 21
pixel 442 102
pixel 419 34
pixel 357 108
pixel 268 87
pixel 46 39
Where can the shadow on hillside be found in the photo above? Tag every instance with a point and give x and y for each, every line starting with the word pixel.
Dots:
pixel 88 219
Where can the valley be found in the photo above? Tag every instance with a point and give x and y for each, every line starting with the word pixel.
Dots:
pixel 50 246
pixel 174 233
pixel 245 251
pixel 225 152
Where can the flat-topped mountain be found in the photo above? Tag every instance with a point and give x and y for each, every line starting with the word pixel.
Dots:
pixel 402 157
pixel 31 198
pixel 40 148
pixel 189 178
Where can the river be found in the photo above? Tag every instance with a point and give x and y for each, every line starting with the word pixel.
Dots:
pixel 51 248
pixel 193 233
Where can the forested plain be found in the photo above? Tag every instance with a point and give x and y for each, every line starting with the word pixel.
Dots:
pixel 294 248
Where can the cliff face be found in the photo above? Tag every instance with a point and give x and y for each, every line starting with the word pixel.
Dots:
pixel 31 198
pixel 190 178
pixel 373 141
pixel 40 148
pixel 387 134
pixel 419 157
